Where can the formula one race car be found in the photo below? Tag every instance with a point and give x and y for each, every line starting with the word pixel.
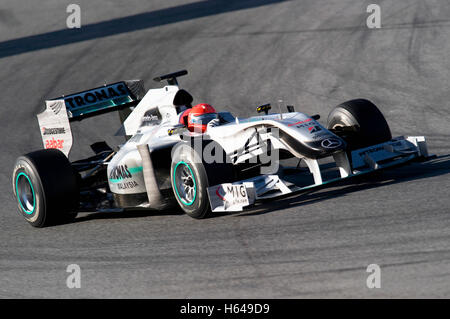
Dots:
pixel 194 157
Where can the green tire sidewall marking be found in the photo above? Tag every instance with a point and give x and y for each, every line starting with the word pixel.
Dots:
pixel 32 190
pixel 175 184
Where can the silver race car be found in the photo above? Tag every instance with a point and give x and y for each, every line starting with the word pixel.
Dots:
pixel 193 157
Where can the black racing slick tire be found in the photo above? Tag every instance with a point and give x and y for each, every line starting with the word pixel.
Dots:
pixel 191 176
pixel 46 188
pixel 366 122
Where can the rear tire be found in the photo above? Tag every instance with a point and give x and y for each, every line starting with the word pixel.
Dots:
pixel 369 125
pixel 46 188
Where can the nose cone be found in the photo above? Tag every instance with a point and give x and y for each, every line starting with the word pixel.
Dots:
pixel 327 145
pixel 316 148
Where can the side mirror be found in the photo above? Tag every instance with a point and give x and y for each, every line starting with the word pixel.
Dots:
pixel 177 129
pixel 264 108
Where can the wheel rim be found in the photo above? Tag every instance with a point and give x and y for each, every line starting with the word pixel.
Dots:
pixel 184 182
pixel 25 193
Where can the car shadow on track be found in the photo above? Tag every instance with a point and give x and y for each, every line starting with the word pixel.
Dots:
pixel 414 171
pixel 125 214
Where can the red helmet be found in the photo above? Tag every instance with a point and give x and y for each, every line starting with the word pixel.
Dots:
pixel 199 116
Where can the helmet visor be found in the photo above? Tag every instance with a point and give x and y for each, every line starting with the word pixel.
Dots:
pixel 203 118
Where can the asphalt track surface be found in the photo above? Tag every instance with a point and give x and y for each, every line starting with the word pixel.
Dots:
pixel 312 54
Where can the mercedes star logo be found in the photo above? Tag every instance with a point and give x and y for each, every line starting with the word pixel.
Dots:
pixel 331 143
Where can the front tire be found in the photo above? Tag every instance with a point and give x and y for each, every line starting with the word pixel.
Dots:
pixel 46 189
pixel 366 123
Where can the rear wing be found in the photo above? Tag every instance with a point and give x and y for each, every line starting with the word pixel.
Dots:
pixel 54 122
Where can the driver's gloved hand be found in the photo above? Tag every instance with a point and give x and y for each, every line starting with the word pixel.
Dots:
pixel 212 123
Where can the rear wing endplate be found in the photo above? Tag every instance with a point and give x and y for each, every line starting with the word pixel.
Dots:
pixel 54 122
